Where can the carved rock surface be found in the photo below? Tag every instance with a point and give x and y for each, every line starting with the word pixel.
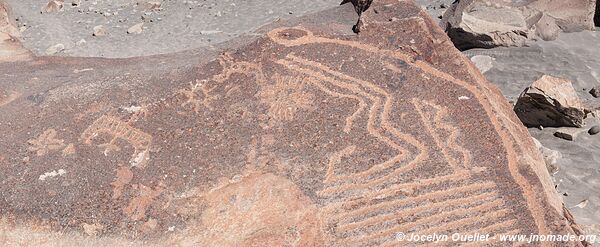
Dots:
pixel 308 135
pixel 550 102
pixel 487 24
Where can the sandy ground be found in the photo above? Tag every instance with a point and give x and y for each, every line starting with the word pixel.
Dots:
pixel 575 56
pixel 179 25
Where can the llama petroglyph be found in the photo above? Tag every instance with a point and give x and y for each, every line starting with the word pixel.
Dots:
pixel 120 130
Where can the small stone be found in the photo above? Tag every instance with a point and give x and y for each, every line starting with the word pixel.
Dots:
pixel 81 42
pixel 100 31
pixel 594 130
pixel 595 92
pixel 55 49
pixel 569 134
pixel 53 6
pixel 136 29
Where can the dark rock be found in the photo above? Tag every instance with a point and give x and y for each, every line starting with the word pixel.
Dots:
pixel 550 102
pixel 594 130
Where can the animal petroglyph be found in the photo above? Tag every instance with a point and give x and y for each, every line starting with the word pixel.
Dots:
pixel 443 133
pixel 120 130
pixel 280 36
pixel 46 142
pixel 195 100
pixel 455 154
pixel 231 67
pixel 136 210
pixel 285 97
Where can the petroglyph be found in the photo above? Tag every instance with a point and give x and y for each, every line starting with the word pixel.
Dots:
pixel 256 210
pixel 92 229
pixel 123 178
pixel 197 102
pixel 120 130
pixel 231 67
pixel 136 210
pixel 336 159
pixel 281 36
pixel 69 150
pixel 10 97
pixel 285 97
pixel 444 134
pixel 46 143
pixel 52 174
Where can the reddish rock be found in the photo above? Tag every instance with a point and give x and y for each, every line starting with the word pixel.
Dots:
pixel 550 102
pixel 308 135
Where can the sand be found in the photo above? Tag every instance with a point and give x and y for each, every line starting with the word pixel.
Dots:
pixel 177 26
pixel 575 56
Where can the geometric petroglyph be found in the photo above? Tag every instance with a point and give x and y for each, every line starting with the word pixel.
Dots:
pixel 444 134
pixel 118 129
pixel 45 143
pixel 285 97
pixel 367 208
pixel 193 99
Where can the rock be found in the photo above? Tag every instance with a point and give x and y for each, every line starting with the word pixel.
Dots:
pixel 569 134
pixel 298 135
pixel 594 130
pixel 53 6
pixel 136 29
pixel 150 5
pixel 76 3
pixel 550 102
pixel 81 42
pixel 55 49
pixel 550 156
pixel 100 31
pixel 483 63
pixel 479 23
pixel 11 49
pixel 595 91
pixel 546 28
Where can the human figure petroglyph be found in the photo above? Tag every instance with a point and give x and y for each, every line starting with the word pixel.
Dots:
pixel 45 143
pixel 120 130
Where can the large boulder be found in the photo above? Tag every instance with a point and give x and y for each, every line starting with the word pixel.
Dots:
pixel 306 135
pixel 487 24
pixel 10 46
pixel 550 102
